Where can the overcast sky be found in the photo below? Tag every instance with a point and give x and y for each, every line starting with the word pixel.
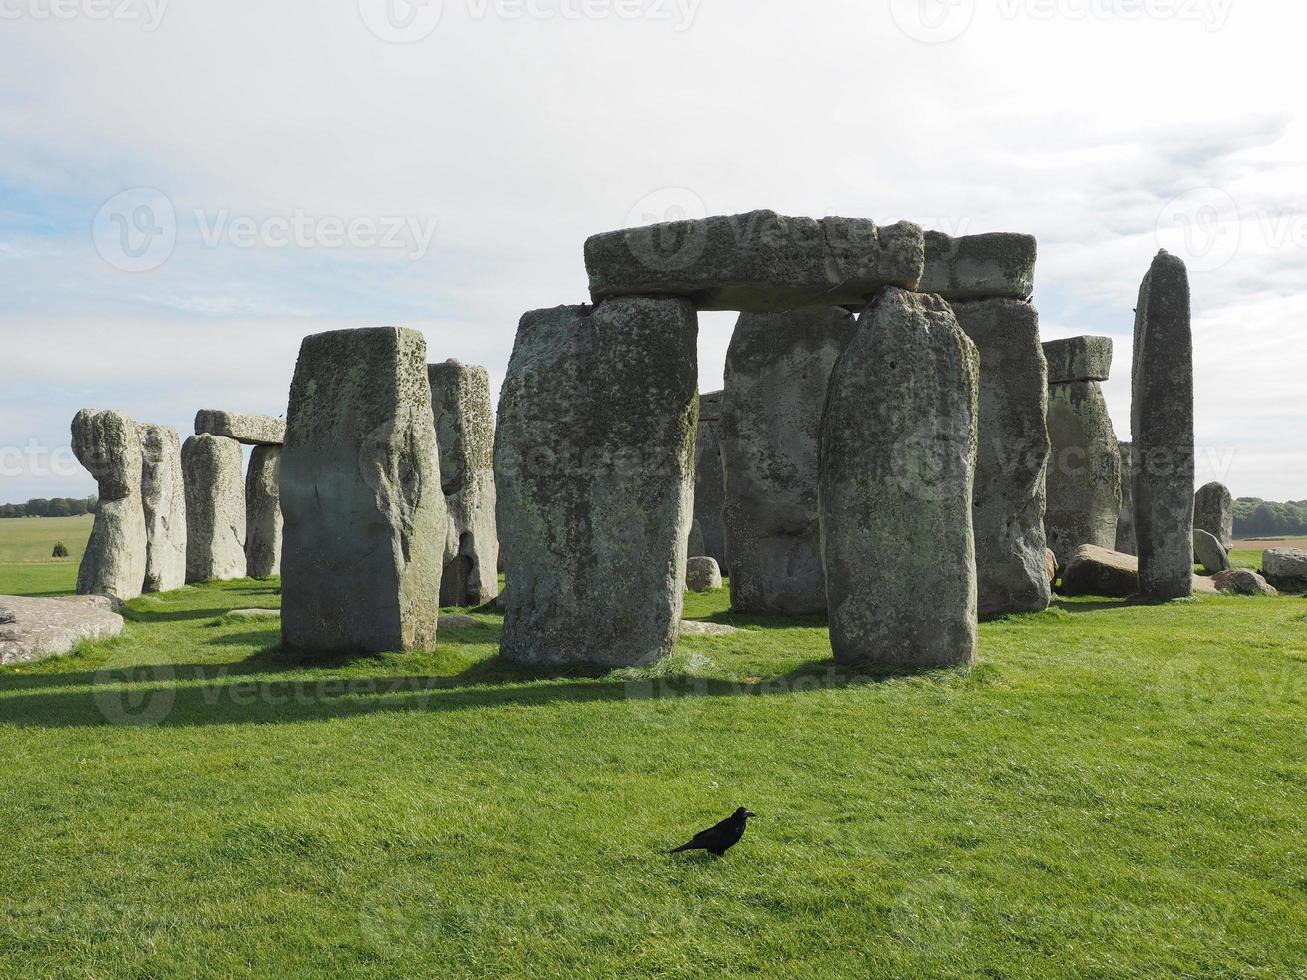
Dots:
pixel 188 189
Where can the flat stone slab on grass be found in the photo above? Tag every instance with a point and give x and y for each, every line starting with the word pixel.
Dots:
pixel 253 430
pixel 1095 571
pixel 760 262
pixel 1078 359
pixel 1286 568
pixel 990 266
pixel 1243 581
pixel 693 627
pixel 34 629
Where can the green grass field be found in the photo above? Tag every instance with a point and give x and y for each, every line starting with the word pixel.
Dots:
pixel 26 567
pixel 1113 790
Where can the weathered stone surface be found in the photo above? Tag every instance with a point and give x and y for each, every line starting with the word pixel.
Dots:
pixel 759 262
pixel 897 465
pixel 1125 520
pixel 702 574
pixel 1013 457
pixel 1286 569
pixel 1051 567
pixel 1084 470
pixel 33 629
pixel 709 485
pixel 1209 553
pixel 696 548
pixel 253 430
pixel 1162 422
pixel 1214 512
pixel 108 444
pixel 163 494
pixel 593 465
pixel 778 367
pixel 263 521
pixel 1243 581
pixel 695 627
pixel 215 508
pixel 465 433
pixel 989 266
pixel 364 535
pixel 1078 359
pixel 1100 571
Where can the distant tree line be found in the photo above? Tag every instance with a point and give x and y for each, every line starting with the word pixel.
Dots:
pixel 58 507
pixel 1254 518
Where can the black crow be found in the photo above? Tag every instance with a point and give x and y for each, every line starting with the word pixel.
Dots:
pixel 721 837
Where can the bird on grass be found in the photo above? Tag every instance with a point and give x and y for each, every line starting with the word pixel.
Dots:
pixel 720 837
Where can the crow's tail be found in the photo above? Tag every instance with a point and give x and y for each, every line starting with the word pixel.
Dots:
pixel 678 850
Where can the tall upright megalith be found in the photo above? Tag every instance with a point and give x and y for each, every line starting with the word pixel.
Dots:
pixel 1125 521
pixel 164 495
pixel 263 521
pixel 778 367
pixel 108 444
pixel 1084 466
pixel 709 492
pixel 594 460
pixel 364 533
pixel 1013 455
pixel 1162 422
pixel 215 508
pixel 1214 512
pixel 465 433
pixel 897 469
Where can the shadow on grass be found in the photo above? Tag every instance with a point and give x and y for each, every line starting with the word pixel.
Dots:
pixel 197 695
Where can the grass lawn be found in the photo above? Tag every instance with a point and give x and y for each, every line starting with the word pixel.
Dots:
pixel 1114 790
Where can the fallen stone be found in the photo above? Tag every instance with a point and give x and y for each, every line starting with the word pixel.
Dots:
pixel 1011 468
pixel 759 262
pixel 593 465
pixel 364 535
pixel 695 627
pixel 254 614
pixel 1125 520
pixel 465 435
pixel 1209 553
pixel 33 629
pixel 702 574
pixel 456 622
pixel 1084 470
pixel 778 367
pixel 1162 420
pixel 1078 359
pixel 108 444
pixel 215 509
pixel 1243 581
pixel 897 465
pixel 1214 512
pixel 990 266
pixel 1286 569
pixel 252 430
pixel 163 495
pixel 263 521
pixel 1101 572
pixel 709 485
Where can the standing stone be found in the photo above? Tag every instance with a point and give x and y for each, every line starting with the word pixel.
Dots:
pixel 1162 420
pixel 215 509
pixel 164 496
pixel 1214 513
pixel 465 433
pixel 594 466
pixel 778 367
pixel 1013 455
pixel 364 536
pixel 1125 520
pixel 109 446
pixel 709 488
pixel 897 465
pixel 263 520
pixel 1084 466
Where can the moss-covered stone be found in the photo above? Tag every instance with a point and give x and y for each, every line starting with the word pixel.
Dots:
pixel 1084 470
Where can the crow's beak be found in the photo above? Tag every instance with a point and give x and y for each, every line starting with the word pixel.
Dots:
pixel 750 813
